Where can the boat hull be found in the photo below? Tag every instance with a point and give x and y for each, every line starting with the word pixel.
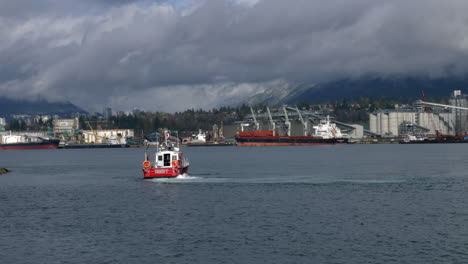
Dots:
pixel 438 140
pixel 288 141
pixel 163 172
pixel 86 146
pixel 210 145
pixel 49 144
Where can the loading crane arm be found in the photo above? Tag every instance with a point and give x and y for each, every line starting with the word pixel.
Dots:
pixel 304 124
pixel 92 130
pixel 441 105
pixel 287 122
pixel 273 125
pixel 257 125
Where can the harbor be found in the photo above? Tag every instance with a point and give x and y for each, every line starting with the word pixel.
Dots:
pixel 233 131
pixel 421 123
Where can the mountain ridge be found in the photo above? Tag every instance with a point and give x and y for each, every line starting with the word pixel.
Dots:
pixel 374 87
pixel 10 107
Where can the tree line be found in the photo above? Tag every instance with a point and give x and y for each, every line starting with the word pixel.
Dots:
pixel 348 111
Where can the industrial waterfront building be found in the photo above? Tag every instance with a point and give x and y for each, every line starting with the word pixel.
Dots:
pixel 107 136
pixel 2 124
pixel 66 126
pixel 417 120
pixel 460 116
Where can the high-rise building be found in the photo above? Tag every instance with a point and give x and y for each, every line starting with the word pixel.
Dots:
pixel 107 112
pixel 136 111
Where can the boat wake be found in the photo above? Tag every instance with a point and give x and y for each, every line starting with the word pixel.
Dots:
pixel 181 178
pixel 186 178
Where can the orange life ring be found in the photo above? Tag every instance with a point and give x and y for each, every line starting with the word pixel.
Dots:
pixel 146 164
pixel 175 163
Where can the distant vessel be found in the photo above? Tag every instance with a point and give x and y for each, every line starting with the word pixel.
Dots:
pixel 86 146
pixel 212 144
pixel 200 138
pixel 168 161
pixel 326 133
pixel 10 141
pixel 434 140
pixel 107 141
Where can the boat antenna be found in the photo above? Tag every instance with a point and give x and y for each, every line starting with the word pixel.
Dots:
pixel 165 137
pixel 157 142
pixel 146 149
pixel 177 134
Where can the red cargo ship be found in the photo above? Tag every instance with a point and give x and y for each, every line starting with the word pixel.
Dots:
pixel 326 133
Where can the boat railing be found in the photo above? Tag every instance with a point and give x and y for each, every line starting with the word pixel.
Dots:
pixel 185 162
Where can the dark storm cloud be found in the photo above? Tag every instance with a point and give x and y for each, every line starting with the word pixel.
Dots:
pixel 24 8
pixel 145 53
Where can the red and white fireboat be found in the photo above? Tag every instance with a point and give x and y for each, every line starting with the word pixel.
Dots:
pixel 168 162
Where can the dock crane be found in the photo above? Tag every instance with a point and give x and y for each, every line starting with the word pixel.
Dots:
pixel 92 130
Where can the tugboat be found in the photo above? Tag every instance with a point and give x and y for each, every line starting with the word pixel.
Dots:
pixel 168 161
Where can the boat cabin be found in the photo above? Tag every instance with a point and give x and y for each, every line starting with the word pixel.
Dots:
pixel 164 159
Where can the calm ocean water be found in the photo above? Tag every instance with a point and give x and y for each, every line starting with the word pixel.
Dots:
pixel 318 204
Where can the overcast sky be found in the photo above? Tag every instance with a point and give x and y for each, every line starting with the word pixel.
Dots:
pixel 172 55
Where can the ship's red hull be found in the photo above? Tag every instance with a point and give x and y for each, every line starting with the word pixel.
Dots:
pixel 266 138
pixel 257 144
pixel 163 172
pixel 38 145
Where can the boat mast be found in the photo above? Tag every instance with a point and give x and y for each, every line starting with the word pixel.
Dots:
pixel 287 120
pixel 304 124
pixel 271 121
pixel 158 138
